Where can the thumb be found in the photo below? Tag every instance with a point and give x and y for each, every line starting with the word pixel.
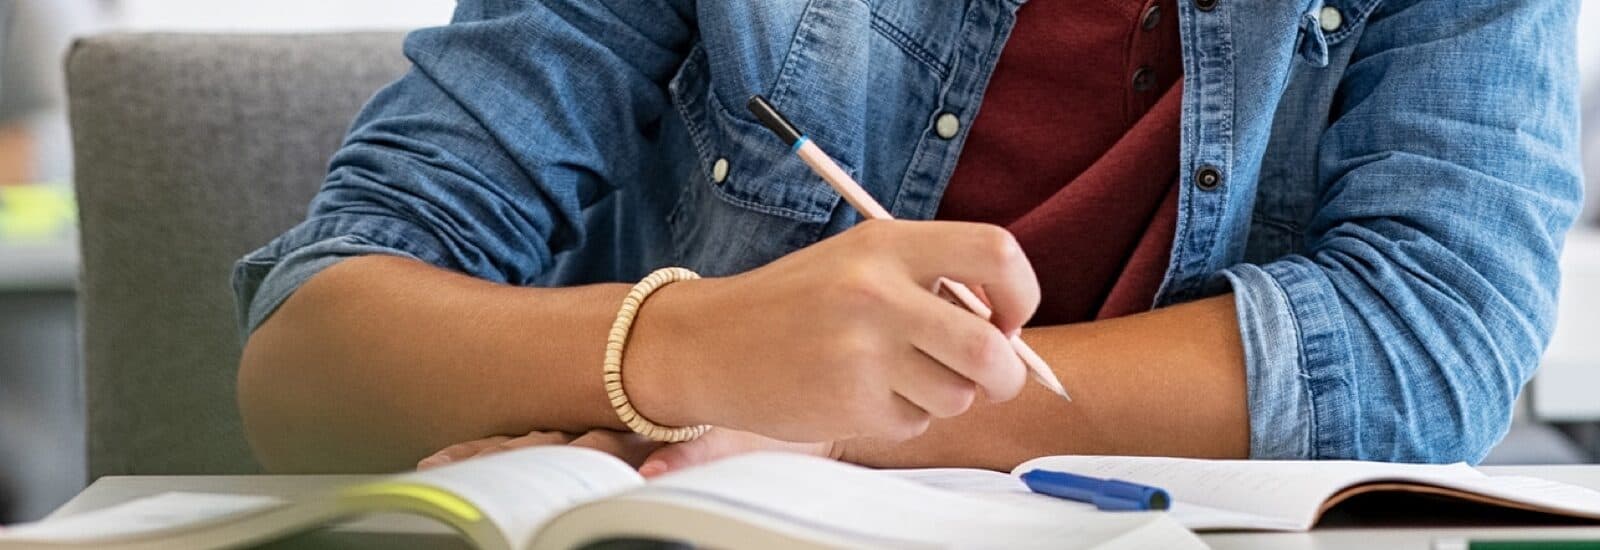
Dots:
pixel 678 456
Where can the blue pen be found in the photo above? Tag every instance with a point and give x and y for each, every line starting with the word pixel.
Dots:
pixel 1111 495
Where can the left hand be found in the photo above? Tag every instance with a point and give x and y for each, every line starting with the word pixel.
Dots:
pixel 721 443
pixel 650 457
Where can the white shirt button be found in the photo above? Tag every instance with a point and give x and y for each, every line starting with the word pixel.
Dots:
pixel 947 126
pixel 719 171
pixel 1331 18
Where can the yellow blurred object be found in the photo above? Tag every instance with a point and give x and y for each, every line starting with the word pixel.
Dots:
pixel 36 212
pixel 457 509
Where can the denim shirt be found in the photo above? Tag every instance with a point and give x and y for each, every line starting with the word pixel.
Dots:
pixel 1383 185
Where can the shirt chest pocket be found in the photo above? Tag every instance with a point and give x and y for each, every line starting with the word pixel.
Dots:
pixel 811 60
pixel 739 161
pixel 843 73
pixel 747 199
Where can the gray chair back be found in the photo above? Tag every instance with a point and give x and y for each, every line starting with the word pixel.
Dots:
pixel 191 150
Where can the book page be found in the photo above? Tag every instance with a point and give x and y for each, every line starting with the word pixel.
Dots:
pixel 146 517
pixel 1540 494
pixel 519 490
pixel 997 486
pixel 986 484
pixel 871 508
pixel 1270 494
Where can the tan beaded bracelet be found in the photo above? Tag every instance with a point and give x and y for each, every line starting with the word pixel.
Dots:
pixel 613 365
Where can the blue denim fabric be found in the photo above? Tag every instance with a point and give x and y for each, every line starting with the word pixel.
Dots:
pixel 1393 196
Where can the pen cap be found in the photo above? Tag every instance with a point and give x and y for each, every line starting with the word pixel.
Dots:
pixel 1151 497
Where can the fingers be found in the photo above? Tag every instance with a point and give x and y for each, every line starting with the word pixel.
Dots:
pixel 630 447
pixel 459 451
pixel 974 254
pixel 963 345
pixel 532 439
pixel 931 386
pixel 908 419
pixel 720 443
pixel 490 445
pixel 714 445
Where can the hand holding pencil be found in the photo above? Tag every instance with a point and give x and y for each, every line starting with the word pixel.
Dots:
pixel 870 209
pixel 866 334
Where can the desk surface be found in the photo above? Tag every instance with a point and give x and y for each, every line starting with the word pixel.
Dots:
pixel 415 532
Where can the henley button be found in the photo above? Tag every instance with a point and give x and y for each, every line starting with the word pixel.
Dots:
pixel 1144 79
pixel 1152 17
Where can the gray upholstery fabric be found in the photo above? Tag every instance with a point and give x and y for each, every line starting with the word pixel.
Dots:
pixel 190 151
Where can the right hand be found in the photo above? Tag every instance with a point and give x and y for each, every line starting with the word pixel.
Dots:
pixel 839 340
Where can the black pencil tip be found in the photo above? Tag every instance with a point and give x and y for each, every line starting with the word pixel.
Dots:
pixel 772 119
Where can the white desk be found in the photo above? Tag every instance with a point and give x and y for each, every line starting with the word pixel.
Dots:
pixel 412 532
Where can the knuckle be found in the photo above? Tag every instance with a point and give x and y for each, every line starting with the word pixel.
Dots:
pixel 975 349
pixel 982 348
pixel 860 287
pixel 852 354
pixel 875 234
pixel 999 245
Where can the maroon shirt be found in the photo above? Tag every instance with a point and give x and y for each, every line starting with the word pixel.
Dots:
pixel 1075 150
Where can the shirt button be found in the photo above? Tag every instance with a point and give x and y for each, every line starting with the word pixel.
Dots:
pixel 947 126
pixel 1152 17
pixel 1144 79
pixel 1208 178
pixel 719 171
pixel 1331 18
pixel 1205 5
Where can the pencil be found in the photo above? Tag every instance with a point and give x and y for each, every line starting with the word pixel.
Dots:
pixel 863 202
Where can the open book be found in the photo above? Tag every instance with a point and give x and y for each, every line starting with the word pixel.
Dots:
pixel 565 497
pixel 1270 495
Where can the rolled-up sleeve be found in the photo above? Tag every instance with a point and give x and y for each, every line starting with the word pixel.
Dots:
pixel 481 159
pixel 1427 291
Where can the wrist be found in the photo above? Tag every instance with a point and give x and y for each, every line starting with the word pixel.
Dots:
pixel 662 369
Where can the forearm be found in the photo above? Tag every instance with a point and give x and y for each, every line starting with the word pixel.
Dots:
pixel 1169 382
pixel 378 361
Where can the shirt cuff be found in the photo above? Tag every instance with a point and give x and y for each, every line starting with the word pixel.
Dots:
pixel 1297 355
pixel 265 278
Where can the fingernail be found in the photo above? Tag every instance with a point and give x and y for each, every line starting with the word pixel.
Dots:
pixel 652 468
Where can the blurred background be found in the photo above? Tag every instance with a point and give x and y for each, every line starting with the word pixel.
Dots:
pixel 41 405
pixel 41 409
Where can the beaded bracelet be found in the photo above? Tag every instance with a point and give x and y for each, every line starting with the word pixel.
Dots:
pixel 613 364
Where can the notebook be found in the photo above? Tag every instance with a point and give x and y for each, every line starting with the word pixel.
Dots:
pixel 564 497
pixel 1215 495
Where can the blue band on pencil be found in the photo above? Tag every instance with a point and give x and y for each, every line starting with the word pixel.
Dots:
pixel 799 143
